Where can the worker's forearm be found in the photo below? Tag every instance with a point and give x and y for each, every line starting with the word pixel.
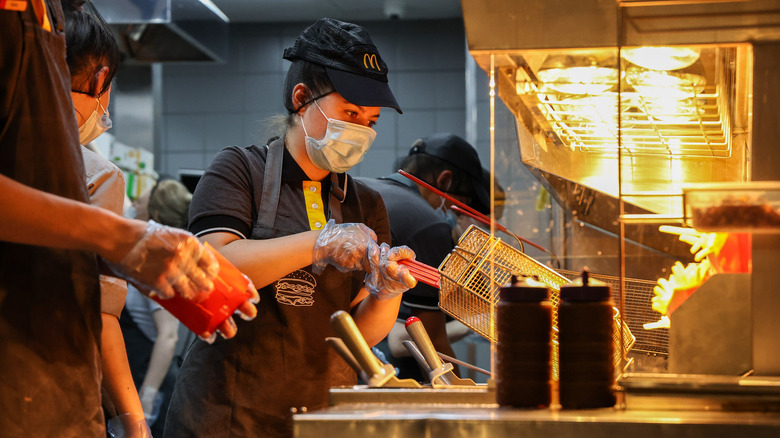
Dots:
pixel 34 217
pixel 159 363
pixel 265 261
pixel 164 348
pixel 374 318
pixel 117 378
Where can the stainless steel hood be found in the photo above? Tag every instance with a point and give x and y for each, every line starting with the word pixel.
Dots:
pixel 564 24
pixel 576 134
pixel 167 30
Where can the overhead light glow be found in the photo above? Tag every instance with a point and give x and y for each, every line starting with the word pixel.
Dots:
pixel 579 80
pixel 662 58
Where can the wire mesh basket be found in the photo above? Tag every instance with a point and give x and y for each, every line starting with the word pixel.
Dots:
pixel 480 264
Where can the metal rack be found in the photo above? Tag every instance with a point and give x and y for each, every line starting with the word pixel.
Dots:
pixel 696 124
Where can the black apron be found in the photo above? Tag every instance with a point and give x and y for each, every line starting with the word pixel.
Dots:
pixel 248 385
pixel 49 299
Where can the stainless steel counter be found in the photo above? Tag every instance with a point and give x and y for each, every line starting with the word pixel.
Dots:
pixel 658 405
pixel 475 421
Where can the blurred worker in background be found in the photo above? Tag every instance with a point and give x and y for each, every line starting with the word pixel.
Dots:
pixel 93 59
pixel 151 332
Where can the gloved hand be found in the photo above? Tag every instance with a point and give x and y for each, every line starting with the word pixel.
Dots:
pixel 151 401
pixel 344 246
pixel 247 311
pixel 169 261
pixel 128 426
pixel 387 278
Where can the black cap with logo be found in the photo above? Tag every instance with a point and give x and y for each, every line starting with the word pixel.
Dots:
pixel 350 58
pixel 459 153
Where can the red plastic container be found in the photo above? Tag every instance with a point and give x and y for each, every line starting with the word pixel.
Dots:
pixel 229 292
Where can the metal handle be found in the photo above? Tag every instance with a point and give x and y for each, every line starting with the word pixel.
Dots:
pixel 420 337
pixel 341 348
pixel 464 364
pixel 346 328
pixel 415 352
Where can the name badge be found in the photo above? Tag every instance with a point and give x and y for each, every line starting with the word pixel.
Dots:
pixel 13 5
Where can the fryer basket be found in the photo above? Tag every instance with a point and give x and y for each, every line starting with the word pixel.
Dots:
pixel 480 264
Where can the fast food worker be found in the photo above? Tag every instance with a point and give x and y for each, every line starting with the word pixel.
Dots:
pixel 312 239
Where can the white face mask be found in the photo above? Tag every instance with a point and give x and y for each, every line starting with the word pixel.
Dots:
pixel 447 214
pixel 95 125
pixel 343 146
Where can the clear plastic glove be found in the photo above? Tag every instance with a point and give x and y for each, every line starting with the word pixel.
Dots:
pixel 128 426
pixel 387 278
pixel 169 261
pixel 151 401
pixel 344 246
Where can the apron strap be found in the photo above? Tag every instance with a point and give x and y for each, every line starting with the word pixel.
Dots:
pixel 337 195
pixel 272 183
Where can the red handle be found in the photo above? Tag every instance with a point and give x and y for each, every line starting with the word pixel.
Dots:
pixel 422 272
pixel 438 192
pixel 480 217
pixel 463 207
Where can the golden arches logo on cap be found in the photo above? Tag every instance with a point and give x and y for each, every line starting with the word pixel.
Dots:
pixel 370 61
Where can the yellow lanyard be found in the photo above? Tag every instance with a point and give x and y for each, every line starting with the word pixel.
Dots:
pixel 312 193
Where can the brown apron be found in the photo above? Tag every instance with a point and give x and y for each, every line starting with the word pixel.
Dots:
pixel 248 385
pixel 49 299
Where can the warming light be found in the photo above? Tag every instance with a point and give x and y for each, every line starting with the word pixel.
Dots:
pixel 662 58
pixel 668 96
pixel 579 80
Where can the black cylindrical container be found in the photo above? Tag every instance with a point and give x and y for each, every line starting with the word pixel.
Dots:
pixel 586 367
pixel 524 344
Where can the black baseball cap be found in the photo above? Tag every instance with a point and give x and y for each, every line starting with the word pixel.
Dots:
pixel 458 152
pixel 350 58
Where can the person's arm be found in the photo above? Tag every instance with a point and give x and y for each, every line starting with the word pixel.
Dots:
pixel 265 261
pixel 347 246
pixel 34 217
pixel 374 317
pixel 375 309
pixel 156 258
pixel 117 378
pixel 164 348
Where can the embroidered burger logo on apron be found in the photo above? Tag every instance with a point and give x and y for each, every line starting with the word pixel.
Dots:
pixel 296 289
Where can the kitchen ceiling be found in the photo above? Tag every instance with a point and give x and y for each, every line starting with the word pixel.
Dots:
pixel 350 10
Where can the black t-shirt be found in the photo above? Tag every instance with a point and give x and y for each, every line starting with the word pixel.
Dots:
pixel 227 194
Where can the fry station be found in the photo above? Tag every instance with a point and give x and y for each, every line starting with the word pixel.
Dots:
pixel 650 127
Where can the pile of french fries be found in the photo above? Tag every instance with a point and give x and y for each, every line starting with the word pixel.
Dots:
pixel 685 277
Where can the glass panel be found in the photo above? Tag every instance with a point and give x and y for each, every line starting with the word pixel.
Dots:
pixel 592 149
